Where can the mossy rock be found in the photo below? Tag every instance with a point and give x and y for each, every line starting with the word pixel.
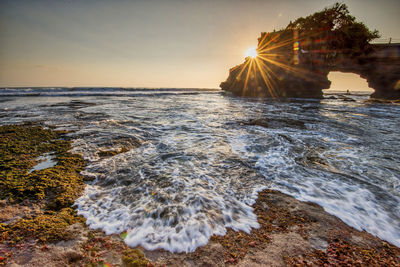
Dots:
pixel 110 153
pixel 134 258
pixel 45 228
pixel 53 189
pixel 21 145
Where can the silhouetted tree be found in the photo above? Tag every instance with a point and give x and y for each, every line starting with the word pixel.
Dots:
pixel 337 28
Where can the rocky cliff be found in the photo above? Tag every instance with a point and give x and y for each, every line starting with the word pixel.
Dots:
pixel 381 69
pixel 285 68
pixel 295 61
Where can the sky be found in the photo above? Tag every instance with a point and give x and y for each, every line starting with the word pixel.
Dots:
pixel 165 43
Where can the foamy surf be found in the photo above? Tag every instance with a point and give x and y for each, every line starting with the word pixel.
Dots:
pixel 191 165
pixel 175 203
pixel 179 228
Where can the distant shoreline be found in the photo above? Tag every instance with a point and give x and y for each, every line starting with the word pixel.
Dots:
pixel 356 93
pixel 109 87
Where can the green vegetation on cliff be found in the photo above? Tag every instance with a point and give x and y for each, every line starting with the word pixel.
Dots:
pixel 337 28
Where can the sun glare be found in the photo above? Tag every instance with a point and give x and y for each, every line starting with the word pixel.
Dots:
pixel 252 52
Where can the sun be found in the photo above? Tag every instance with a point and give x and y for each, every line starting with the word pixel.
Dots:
pixel 252 52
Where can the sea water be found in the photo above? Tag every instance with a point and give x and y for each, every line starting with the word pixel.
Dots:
pixel 196 162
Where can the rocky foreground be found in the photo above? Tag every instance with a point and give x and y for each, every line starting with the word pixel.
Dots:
pixel 39 228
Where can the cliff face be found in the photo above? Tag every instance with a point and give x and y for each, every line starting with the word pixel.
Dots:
pixel 292 64
pixel 289 65
pixel 380 68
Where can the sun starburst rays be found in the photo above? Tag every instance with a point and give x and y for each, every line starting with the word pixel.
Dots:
pixel 262 68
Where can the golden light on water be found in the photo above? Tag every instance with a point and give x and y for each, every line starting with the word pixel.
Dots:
pixel 252 52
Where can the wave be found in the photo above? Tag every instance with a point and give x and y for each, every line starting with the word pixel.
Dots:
pixel 97 91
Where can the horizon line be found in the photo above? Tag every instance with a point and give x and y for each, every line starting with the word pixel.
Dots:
pixel 122 87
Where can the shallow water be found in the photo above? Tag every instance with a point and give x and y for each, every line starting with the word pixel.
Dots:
pixel 201 163
pixel 45 161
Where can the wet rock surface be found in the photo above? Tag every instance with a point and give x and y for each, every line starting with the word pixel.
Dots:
pixel 38 227
pixel 276 123
pixel 291 232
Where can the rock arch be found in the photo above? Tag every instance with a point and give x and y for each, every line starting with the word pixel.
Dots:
pixel 343 81
pixel 295 61
pixel 287 73
pixel 381 69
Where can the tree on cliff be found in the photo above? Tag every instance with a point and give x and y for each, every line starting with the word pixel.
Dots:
pixel 295 61
pixel 338 28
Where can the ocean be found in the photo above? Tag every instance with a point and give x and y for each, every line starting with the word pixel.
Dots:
pixel 192 160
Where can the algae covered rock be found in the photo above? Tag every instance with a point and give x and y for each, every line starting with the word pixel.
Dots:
pixel 49 192
pixel 57 186
pixel 48 227
pixel 134 258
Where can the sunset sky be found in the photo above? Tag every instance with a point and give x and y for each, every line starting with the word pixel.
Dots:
pixel 169 43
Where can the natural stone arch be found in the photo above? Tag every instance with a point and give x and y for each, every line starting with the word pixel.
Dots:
pixel 295 61
pixel 343 81
pixel 381 69
pixel 307 77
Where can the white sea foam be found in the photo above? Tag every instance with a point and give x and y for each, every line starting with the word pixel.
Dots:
pixel 175 203
pixel 199 167
pixel 348 197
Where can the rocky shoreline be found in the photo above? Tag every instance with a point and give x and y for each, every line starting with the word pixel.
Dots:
pixel 38 227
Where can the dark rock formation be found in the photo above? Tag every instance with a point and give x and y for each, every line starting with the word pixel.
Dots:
pixel 274 72
pixel 295 61
pixel 276 123
pixel 381 69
